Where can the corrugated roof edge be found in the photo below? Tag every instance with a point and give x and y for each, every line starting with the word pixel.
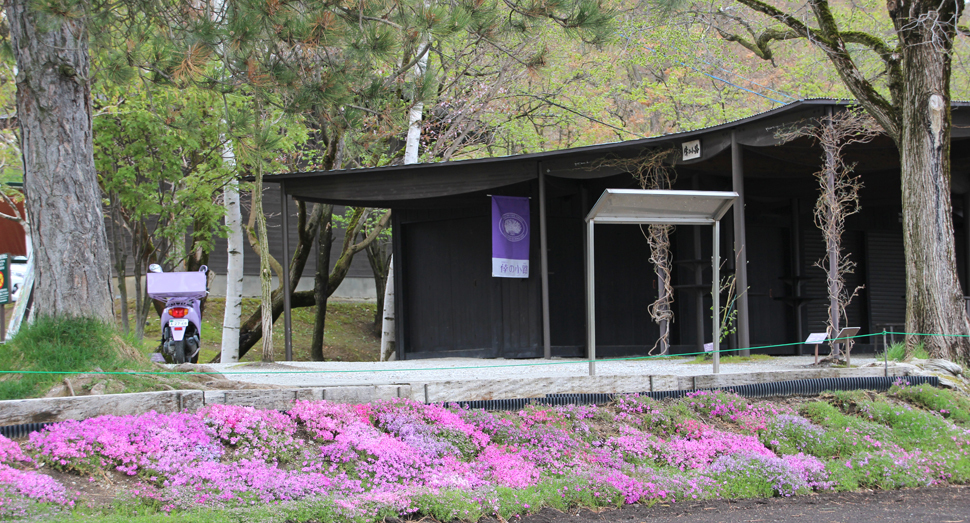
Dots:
pixel 280 177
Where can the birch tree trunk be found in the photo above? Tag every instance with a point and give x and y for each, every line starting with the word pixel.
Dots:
pixel 411 148
pixel 71 258
pixel 234 272
pixel 416 113
pixel 388 348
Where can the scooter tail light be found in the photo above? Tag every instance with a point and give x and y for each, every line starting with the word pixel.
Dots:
pixel 178 312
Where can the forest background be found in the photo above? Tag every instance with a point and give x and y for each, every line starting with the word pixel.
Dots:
pixel 182 116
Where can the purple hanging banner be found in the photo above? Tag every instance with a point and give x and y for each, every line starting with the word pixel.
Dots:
pixel 510 237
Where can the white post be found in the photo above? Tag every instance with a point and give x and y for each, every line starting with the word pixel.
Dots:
pixel 590 300
pixel 716 296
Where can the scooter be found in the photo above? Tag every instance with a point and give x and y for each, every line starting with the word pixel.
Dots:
pixel 182 316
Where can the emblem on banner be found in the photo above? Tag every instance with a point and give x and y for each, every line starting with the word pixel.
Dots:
pixel 513 227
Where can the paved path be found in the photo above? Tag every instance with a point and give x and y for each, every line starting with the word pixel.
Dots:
pixel 321 374
pixel 927 505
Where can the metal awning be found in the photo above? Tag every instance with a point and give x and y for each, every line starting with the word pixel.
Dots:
pixel 633 206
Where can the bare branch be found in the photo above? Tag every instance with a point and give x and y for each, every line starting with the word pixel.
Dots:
pixel 838 199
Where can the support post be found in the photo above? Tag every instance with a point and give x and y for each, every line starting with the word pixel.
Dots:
pixel 590 300
pixel 544 264
pixel 287 325
pixel 716 296
pixel 740 252
pixel 698 290
pixel 796 286
pixel 966 243
pixel 664 324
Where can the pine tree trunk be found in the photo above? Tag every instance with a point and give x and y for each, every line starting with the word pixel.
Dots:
pixel 321 283
pixel 121 259
pixel 265 277
pixel 72 261
pixel 934 299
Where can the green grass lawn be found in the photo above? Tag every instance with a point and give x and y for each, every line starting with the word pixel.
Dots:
pixel 348 335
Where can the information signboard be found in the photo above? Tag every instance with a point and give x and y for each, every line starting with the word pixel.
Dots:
pixel 4 278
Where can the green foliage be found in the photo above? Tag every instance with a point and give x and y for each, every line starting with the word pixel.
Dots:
pixel 947 403
pixel 897 352
pixel 158 154
pixel 785 437
pixel 873 472
pixel 750 480
pixel 705 359
pixel 449 505
pixel 843 432
pixel 860 431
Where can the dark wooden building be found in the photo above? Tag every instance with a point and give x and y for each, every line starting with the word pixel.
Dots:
pixel 447 303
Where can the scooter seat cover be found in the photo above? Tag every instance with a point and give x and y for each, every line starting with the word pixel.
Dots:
pixel 164 285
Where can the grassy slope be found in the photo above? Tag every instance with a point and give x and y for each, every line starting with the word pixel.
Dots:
pixel 76 347
pixel 349 335
pixel 69 346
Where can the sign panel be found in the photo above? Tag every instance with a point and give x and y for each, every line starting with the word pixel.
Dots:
pixel 816 337
pixel 691 149
pixel 4 278
pixel 510 237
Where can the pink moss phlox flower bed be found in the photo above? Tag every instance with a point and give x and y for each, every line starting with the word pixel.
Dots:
pixel 402 457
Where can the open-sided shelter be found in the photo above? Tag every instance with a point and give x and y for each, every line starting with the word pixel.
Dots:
pixel 448 304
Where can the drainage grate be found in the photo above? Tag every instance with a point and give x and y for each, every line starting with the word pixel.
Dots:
pixel 809 387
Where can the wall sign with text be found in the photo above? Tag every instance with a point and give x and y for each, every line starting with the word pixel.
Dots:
pixel 691 150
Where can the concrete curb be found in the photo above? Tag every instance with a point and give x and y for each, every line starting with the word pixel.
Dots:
pixel 46 410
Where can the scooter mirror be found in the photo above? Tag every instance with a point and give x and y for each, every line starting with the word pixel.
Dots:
pixel 154 268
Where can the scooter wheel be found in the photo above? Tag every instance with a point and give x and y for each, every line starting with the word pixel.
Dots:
pixel 179 349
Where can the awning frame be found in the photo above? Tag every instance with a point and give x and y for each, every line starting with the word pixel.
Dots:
pixel 656 207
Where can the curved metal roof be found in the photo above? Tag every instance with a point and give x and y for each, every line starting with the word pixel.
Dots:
pixel 392 185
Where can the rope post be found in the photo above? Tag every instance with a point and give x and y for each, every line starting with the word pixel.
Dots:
pixel 885 352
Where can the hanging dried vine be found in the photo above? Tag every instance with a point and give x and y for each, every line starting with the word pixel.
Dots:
pixel 838 199
pixel 651 172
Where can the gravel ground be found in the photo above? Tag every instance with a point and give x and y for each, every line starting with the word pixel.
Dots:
pixel 322 374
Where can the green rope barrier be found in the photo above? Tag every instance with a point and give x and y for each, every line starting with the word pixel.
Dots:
pixel 511 365
pixel 924 334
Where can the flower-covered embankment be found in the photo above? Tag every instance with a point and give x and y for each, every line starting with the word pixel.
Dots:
pixel 399 457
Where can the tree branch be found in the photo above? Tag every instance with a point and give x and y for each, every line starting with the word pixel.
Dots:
pixel 832 43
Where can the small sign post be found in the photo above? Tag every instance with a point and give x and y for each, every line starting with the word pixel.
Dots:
pixel 4 293
pixel 816 338
pixel 846 334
